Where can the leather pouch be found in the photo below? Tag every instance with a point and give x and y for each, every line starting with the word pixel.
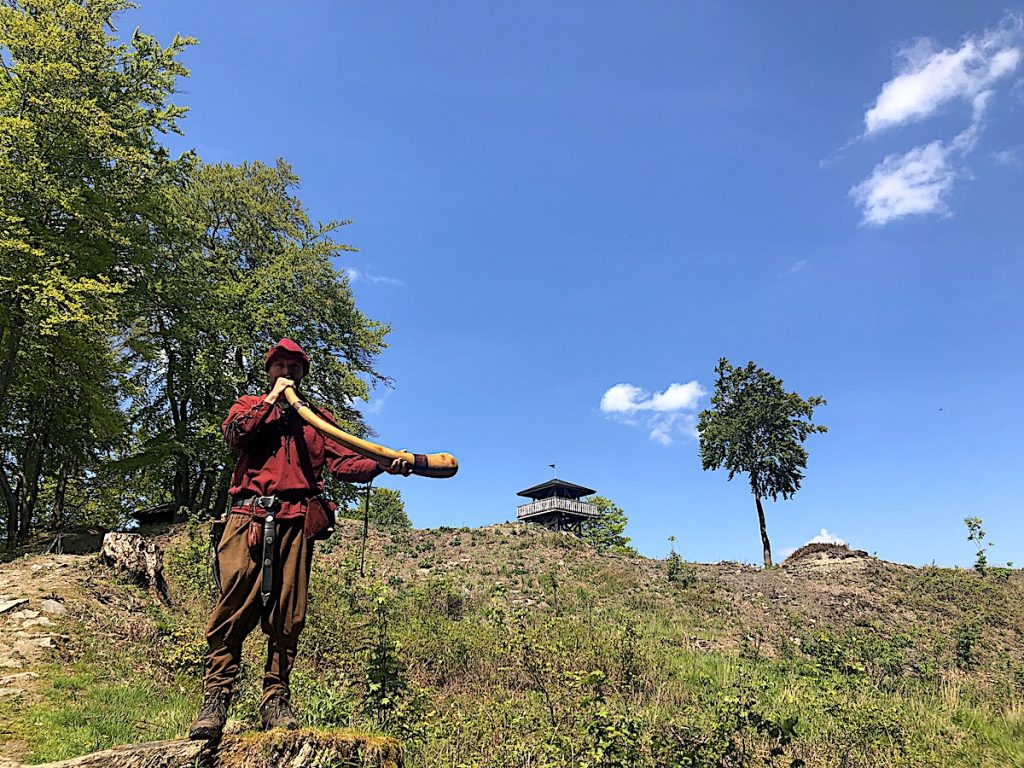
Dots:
pixel 254 534
pixel 320 519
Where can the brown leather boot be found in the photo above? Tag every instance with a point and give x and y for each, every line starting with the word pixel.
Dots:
pixel 277 713
pixel 212 715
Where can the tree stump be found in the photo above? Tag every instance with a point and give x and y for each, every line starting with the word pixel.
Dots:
pixel 309 749
pixel 140 560
pixel 276 749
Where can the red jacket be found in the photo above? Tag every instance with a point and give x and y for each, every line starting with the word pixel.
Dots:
pixel 278 452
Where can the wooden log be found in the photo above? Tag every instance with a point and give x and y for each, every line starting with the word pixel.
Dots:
pixel 139 559
pixel 276 749
pixel 153 754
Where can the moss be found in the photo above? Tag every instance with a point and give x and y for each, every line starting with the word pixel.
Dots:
pixel 310 748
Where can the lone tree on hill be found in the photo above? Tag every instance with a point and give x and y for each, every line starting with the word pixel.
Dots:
pixel 756 426
pixel 605 533
pixel 386 509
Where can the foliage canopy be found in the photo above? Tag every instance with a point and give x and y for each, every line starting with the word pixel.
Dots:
pixel 755 427
pixel 139 292
pixel 606 533
pixel 386 508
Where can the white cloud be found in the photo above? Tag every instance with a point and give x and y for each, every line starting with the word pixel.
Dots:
pixel 355 275
pixel 621 398
pixel 826 538
pixel 928 79
pixel 798 266
pixel 677 397
pixel 666 414
pixel 921 180
pixel 901 185
pixel 664 428
pixel 626 398
pixel 1010 157
pixel 375 405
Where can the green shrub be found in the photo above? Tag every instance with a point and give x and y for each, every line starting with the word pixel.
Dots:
pixel 189 565
pixel 680 573
pixel 965 637
pixel 727 728
pixel 611 734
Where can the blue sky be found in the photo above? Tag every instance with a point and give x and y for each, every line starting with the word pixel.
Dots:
pixel 553 200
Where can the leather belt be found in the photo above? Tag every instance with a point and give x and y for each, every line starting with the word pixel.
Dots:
pixel 256 502
pixel 249 504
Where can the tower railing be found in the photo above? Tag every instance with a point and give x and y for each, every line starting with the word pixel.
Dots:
pixel 557 505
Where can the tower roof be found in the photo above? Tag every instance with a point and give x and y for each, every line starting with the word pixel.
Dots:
pixel 551 487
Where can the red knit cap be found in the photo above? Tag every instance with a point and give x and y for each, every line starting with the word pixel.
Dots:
pixel 290 347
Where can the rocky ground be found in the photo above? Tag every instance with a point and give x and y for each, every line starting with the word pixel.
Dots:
pixel 33 592
pixel 42 598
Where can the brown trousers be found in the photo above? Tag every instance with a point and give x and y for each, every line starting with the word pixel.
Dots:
pixel 239 608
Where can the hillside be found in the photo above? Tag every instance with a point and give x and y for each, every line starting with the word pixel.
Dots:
pixel 514 646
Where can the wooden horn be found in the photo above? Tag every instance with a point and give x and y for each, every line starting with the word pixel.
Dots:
pixel 423 464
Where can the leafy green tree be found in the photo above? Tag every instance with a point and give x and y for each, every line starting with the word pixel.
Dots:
pixel 56 432
pixel 152 288
pixel 81 164
pixel 605 533
pixel 239 264
pixel 386 509
pixel 756 427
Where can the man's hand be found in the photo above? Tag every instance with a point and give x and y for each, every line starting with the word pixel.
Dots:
pixel 279 386
pixel 396 467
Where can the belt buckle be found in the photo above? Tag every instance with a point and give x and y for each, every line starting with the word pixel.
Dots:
pixel 265 502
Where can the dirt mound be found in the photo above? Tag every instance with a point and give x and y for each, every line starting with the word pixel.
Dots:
pixel 819 551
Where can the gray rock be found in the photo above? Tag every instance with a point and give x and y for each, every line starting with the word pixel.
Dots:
pixel 10 605
pixel 52 606
pixel 6 680
pixel 32 646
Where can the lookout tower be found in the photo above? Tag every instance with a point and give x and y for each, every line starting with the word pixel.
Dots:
pixel 556 504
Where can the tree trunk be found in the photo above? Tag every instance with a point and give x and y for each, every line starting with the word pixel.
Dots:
pixel 764 533
pixel 223 485
pixel 181 486
pixel 33 468
pixel 11 342
pixel 209 479
pixel 11 502
pixel 57 521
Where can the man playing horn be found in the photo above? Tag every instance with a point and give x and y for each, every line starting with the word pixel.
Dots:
pixel 265 549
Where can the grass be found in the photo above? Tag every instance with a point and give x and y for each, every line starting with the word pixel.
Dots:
pixel 94 704
pixel 550 656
